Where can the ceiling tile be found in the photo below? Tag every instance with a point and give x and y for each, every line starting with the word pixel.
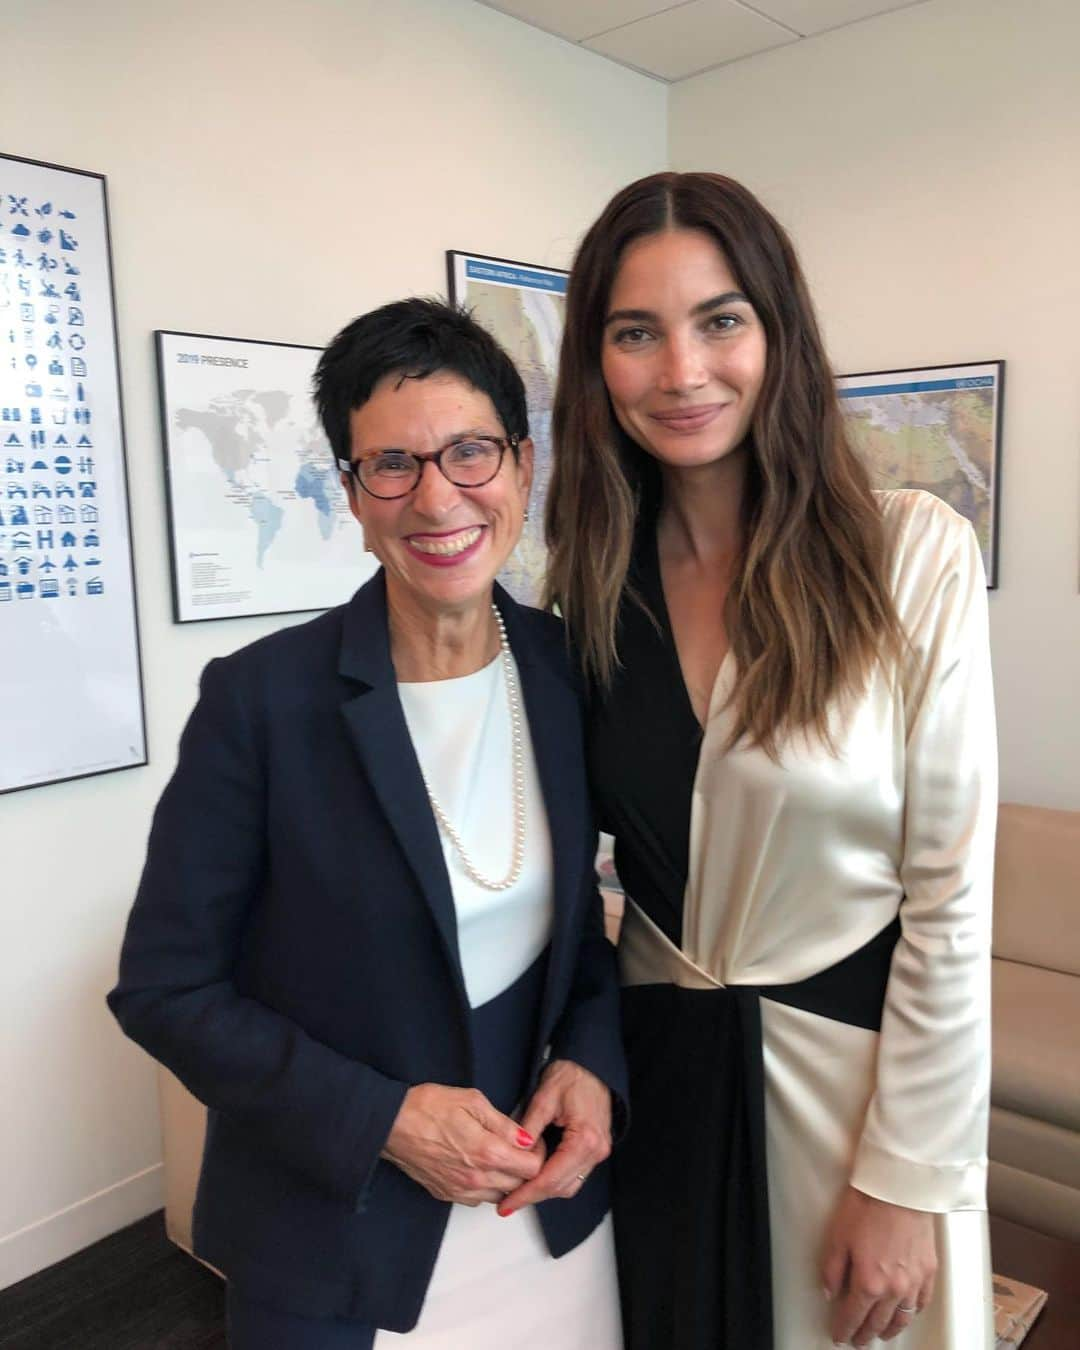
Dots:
pixel 577 19
pixel 816 16
pixel 691 38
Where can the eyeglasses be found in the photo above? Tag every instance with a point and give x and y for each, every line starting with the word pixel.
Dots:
pixel 467 463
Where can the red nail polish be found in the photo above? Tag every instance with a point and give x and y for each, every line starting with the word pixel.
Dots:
pixel 525 1139
pixel 504 1213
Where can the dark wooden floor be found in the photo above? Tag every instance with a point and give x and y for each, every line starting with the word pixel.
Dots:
pixel 131 1291
pixel 136 1291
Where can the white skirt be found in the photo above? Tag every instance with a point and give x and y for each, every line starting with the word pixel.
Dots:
pixel 495 1285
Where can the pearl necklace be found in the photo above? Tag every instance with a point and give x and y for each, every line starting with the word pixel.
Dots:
pixel 517 857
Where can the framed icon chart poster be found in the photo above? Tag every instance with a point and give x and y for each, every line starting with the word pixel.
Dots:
pixel 525 308
pixel 258 520
pixel 70 677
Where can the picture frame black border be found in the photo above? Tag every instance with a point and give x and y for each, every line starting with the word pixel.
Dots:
pixel 170 515
pixel 452 253
pixel 999 391
pixel 142 763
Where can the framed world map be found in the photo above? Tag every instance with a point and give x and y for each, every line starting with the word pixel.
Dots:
pixel 937 428
pixel 258 521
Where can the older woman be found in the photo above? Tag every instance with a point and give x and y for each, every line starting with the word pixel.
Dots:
pixel 792 740
pixel 368 935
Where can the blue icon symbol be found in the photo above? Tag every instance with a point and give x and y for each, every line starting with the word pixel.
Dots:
pixel 50 588
pixel 67 539
pixel 45 209
pixel 17 205
pixel 19 516
pixel 76 342
pixel 90 539
pixel 5 591
pixel 62 464
pixel 70 270
pixel 78 367
pixel 44 236
pixel 20 230
pixel 70 564
pixel 23 566
pixel 95 586
pixel 68 242
pixel 68 215
pixel 72 586
pixel 39 464
pixel 64 490
pixel 24 590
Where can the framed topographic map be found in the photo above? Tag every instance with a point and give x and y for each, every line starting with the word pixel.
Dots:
pixel 258 522
pixel 938 428
pixel 525 308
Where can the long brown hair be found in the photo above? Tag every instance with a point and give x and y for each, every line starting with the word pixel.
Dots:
pixel 809 610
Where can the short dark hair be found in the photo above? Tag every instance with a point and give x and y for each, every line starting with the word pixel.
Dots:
pixel 413 338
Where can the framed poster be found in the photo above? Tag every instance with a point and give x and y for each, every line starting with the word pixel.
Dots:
pixel 525 308
pixel 70 678
pixel 258 521
pixel 938 428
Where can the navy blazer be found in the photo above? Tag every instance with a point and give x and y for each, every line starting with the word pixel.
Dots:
pixel 292 957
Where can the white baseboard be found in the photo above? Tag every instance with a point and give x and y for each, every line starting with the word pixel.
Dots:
pixel 60 1235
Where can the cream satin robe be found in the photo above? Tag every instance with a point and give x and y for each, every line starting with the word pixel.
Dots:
pixel 794 866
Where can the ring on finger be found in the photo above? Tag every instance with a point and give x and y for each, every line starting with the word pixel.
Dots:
pixel 908 1312
pixel 583 1176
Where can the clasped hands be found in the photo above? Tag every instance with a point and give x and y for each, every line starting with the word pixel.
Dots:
pixel 456 1145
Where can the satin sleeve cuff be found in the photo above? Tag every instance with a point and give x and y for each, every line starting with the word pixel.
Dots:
pixel 919 1185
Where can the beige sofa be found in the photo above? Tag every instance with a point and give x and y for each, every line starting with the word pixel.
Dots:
pixel 1035 1094
pixel 1035 1116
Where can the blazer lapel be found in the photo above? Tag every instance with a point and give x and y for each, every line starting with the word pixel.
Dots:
pixel 554 725
pixel 380 737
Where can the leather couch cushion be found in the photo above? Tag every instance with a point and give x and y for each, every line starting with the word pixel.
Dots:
pixel 1036 1064
pixel 1037 887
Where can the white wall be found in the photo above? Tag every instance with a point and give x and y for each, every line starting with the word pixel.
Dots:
pixel 273 170
pixel 928 166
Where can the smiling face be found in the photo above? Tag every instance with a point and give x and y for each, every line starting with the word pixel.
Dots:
pixel 683 351
pixel 441 545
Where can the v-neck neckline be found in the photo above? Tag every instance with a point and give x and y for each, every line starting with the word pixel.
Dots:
pixel 654 588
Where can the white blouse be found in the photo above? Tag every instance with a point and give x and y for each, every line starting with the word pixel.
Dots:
pixel 461 732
